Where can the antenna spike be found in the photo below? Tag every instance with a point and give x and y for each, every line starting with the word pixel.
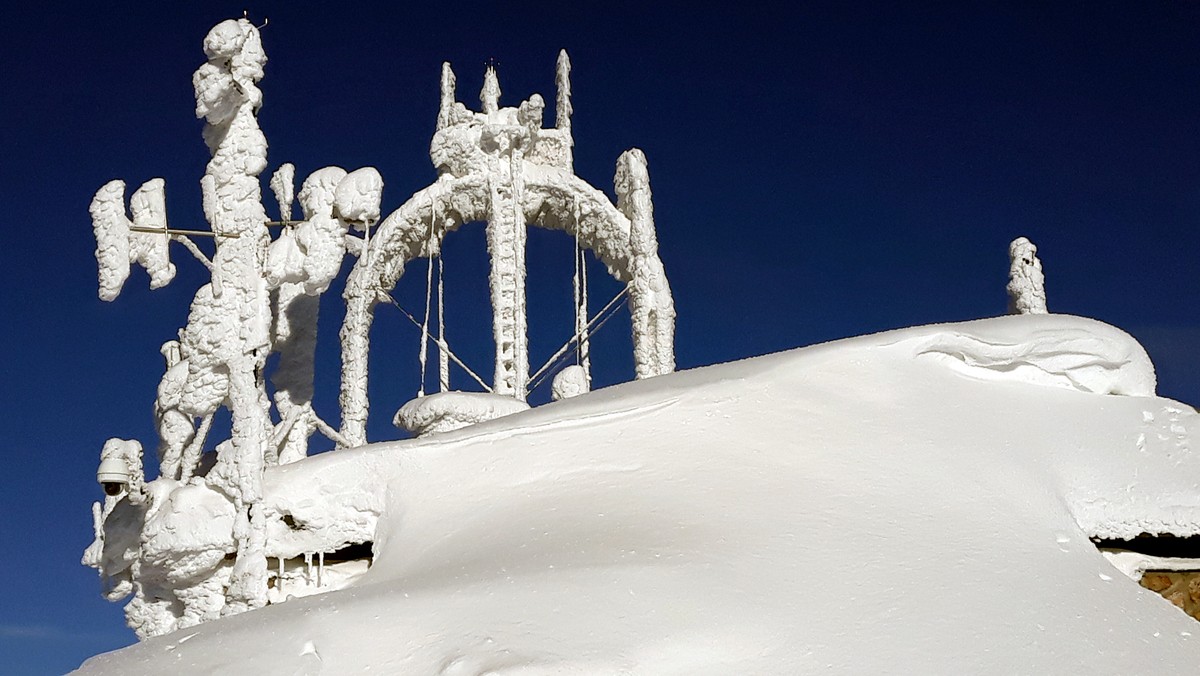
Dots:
pixel 562 105
pixel 448 85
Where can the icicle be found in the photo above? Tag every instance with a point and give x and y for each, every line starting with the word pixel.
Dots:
pixel 586 345
pixel 443 349
pixel 582 347
pixel 575 287
pixel 308 568
pixel 320 567
pixel 280 585
pixel 428 299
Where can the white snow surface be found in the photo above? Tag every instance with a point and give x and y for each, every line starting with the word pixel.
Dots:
pixel 908 502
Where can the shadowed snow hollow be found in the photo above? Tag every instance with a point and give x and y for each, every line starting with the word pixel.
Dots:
pixel 918 501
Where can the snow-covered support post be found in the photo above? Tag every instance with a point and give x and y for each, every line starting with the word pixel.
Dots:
pixel 506 235
pixel 117 245
pixel 319 236
pixel 228 98
pixel 650 303
pixel 1026 283
pixel 355 337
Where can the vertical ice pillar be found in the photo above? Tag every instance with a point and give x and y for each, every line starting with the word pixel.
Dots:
pixel 447 98
pixel 228 98
pixel 506 246
pixel 562 103
pixel 650 304
pixel 563 108
pixel 1026 283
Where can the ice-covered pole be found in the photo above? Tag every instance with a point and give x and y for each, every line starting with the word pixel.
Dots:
pixel 447 98
pixel 228 98
pixel 1026 283
pixel 506 239
pixel 562 103
pixel 650 303
pixel 300 277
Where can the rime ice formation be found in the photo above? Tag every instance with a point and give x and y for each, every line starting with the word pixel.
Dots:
pixel 650 297
pixel 501 166
pixel 203 540
pixel 357 197
pixel 570 382
pixel 217 361
pixel 1026 284
pixel 445 411
pixel 237 340
pixel 117 245
pixel 283 187
pixel 722 521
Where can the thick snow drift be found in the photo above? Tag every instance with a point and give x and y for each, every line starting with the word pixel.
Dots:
pixel 918 501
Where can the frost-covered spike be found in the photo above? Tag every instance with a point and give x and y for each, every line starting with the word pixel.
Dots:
pixel 1026 283
pixel 283 185
pixel 447 99
pixel 562 104
pixel 112 237
pixel 489 96
pixel 358 196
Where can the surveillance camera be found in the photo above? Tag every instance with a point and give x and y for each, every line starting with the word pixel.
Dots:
pixel 114 475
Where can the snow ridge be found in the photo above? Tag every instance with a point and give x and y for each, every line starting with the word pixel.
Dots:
pixel 1065 357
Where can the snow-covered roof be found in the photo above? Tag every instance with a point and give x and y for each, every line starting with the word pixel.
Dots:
pixel 917 501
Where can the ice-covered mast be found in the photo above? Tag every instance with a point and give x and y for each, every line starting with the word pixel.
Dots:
pixel 220 355
pixel 233 313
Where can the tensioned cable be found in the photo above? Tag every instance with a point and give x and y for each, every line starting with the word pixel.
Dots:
pixel 600 317
pixel 449 353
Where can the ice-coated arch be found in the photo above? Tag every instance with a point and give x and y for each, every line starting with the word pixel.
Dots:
pixel 549 197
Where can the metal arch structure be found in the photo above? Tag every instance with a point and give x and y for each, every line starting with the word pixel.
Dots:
pixel 499 166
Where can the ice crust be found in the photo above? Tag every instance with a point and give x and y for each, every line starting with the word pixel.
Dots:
pixel 736 518
pixel 445 411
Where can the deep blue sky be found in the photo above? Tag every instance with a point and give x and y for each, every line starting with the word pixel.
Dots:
pixel 821 173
